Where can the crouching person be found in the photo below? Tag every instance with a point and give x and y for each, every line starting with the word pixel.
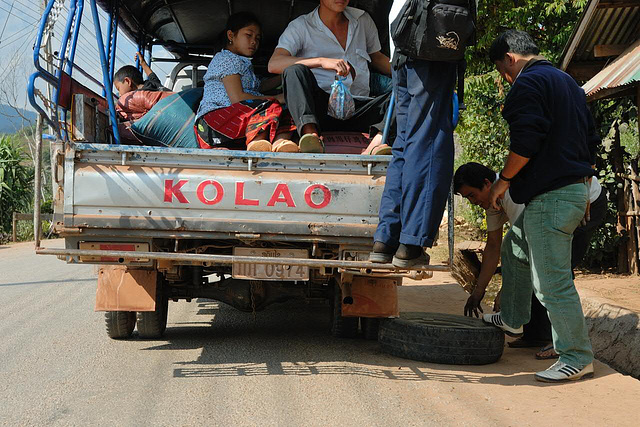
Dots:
pixel 552 148
pixel 473 182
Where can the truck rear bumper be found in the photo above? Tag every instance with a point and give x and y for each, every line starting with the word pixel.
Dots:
pixel 73 255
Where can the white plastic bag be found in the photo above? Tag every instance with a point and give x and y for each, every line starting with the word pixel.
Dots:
pixel 341 104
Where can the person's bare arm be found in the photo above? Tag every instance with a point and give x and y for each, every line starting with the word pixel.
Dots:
pixel 270 83
pixel 282 59
pixel 145 67
pixel 513 165
pixel 380 63
pixel 233 86
pixel 490 259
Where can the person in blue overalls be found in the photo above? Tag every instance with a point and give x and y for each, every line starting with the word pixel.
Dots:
pixel 420 172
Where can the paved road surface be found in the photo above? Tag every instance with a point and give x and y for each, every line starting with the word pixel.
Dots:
pixel 217 366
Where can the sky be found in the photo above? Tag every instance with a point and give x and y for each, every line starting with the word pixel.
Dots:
pixel 19 21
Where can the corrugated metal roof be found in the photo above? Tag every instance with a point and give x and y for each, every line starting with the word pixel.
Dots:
pixel 604 22
pixel 624 71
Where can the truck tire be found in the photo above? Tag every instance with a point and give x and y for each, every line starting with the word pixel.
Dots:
pixel 370 327
pixel 341 327
pixel 152 324
pixel 441 338
pixel 120 324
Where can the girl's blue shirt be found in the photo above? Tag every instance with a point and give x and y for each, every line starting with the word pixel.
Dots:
pixel 223 64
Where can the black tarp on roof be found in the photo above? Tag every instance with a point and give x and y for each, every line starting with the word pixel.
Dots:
pixel 198 23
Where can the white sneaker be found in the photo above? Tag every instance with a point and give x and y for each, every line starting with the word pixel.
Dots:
pixel 496 320
pixel 559 372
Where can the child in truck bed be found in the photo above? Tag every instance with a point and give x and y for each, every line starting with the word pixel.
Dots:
pixel 137 96
pixel 233 111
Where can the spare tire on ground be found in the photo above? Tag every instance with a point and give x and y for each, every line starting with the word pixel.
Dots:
pixel 441 338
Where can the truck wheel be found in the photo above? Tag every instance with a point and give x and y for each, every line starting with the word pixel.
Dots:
pixel 152 324
pixel 441 338
pixel 341 327
pixel 370 327
pixel 120 324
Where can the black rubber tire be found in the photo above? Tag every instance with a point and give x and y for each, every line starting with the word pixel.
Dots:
pixel 370 327
pixel 120 324
pixel 441 338
pixel 152 324
pixel 341 327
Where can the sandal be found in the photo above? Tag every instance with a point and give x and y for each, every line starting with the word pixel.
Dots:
pixel 285 146
pixel 311 143
pixel 259 145
pixel 547 352
pixel 381 150
pixel 376 148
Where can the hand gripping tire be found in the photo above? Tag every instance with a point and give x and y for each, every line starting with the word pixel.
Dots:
pixel 441 338
pixel 120 324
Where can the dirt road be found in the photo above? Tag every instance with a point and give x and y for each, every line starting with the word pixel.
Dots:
pixel 217 366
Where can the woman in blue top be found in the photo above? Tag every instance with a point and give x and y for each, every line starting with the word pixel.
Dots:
pixel 232 107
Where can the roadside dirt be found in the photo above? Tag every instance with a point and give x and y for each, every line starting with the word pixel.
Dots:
pixel 623 290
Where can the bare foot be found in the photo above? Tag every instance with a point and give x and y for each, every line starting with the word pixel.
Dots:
pixel 547 352
pixel 377 140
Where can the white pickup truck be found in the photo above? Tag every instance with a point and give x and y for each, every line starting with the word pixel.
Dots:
pixel 246 228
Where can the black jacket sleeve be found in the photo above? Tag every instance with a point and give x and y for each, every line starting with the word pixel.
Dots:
pixel 524 110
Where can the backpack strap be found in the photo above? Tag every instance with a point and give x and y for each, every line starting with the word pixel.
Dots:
pixel 422 25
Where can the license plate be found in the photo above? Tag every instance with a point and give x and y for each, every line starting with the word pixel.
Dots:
pixel 109 246
pixel 278 272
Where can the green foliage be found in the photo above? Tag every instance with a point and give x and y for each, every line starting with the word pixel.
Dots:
pixel 24 230
pixel 550 23
pixel 16 178
pixel 602 252
pixel 482 131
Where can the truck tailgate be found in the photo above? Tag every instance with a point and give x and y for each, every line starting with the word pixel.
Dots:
pixel 151 188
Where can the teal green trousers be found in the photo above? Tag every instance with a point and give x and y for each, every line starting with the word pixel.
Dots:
pixel 536 257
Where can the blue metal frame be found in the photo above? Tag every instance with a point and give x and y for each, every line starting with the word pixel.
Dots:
pixel 112 38
pixel 75 14
pixel 106 71
pixel 71 33
pixel 66 63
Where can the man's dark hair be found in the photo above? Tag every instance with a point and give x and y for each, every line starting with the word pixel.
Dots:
pixel 129 71
pixel 513 41
pixel 472 174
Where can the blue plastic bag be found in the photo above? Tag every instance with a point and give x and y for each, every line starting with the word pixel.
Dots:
pixel 341 104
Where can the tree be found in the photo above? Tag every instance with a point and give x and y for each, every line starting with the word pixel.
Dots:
pixel 16 181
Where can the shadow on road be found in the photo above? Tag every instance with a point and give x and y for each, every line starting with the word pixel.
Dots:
pixel 49 282
pixel 291 339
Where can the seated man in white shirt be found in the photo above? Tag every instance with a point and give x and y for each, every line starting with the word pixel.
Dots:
pixel 332 40
pixel 473 182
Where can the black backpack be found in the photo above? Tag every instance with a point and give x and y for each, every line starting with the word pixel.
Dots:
pixel 435 30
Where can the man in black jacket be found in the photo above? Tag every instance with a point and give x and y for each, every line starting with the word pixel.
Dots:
pixel 552 149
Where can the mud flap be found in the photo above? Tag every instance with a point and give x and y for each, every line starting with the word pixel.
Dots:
pixel 373 297
pixel 123 289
